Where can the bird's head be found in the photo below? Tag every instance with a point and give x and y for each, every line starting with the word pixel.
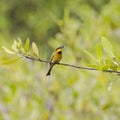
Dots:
pixel 59 49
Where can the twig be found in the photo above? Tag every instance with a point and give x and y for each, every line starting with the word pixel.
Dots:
pixel 78 67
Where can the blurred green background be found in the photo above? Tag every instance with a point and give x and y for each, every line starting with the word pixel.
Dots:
pixel 68 94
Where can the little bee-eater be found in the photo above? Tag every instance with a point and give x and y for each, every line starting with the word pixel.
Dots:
pixel 56 57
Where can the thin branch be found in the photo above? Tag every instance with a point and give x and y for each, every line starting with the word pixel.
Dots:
pixel 79 67
pixel 74 66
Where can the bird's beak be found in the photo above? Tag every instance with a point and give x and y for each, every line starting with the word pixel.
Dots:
pixel 62 46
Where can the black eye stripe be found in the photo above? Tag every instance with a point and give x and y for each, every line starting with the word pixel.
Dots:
pixel 60 52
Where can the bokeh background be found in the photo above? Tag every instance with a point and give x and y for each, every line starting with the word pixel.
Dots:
pixel 68 94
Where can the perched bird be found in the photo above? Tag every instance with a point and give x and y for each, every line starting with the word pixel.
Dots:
pixel 56 57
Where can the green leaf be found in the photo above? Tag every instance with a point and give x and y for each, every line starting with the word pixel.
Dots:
pixel 99 52
pixel 15 46
pixel 26 46
pixel 105 67
pixel 91 56
pixel 19 43
pixel 107 105
pixel 35 49
pixel 7 50
pixel 111 64
pixel 7 62
pixel 107 47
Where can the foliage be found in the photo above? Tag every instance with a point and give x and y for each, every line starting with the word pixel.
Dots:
pixel 89 29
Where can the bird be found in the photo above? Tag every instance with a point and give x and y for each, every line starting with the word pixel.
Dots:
pixel 56 57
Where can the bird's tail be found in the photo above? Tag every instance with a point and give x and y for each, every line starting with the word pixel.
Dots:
pixel 49 71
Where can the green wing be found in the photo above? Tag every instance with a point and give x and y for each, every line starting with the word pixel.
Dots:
pixel 51 57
